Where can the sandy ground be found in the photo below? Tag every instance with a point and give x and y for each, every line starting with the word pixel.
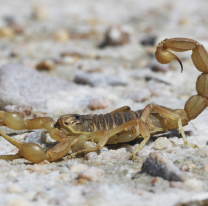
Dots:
pixel 91 57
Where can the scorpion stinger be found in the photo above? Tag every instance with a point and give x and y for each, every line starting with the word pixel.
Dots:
pixel 181 65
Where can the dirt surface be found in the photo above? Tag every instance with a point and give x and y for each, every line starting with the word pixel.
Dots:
pixel 91 57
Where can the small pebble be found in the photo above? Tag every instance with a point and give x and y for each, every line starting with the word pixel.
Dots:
pixel 158 166
pixel 154 181
pixel 16 201
pixel 11 22
pixel 40 13
pixel 12 173
pixel 184 21
pixel 38 137
pixel 30 195
pixel 157 67
pixel 76 55
pixel 69 60
pixel 46 65
pixel 38 168
pixel 6 32
pixel 76 168
pixel 97 70
pixel 17 29
pixel 90 156
pixel 205 168
pixel 193 184
pixel 44 162
pixel 114 36
pixel 98 104
pixel 92 174
pixel 188 167
pixel 148 40
pixel 175 184
pixel 61 35
pixel 95 79
pixel 14 54
pixel 129 148
pixel 14 189
pixel 162 143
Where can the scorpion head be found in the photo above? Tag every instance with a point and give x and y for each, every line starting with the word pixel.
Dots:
pixel 75 123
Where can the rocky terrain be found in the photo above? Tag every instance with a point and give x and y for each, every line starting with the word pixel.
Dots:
pixel 92 57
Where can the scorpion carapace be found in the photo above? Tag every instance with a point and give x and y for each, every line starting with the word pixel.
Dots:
pixel 121 125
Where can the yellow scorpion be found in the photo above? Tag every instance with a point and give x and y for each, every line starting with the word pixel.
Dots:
pixel 120 125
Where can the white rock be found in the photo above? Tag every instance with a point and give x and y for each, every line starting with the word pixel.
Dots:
pixel 16 201
pixel 14 188
pixel 78 168
pixel 92 174
pixel 38 137
pixel 21 85
pixel 12 173
pixel 30 195
pixel 193 184
pixel 162 143
pixel 91 156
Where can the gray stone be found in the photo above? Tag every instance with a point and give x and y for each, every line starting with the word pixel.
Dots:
pixel 94 79
pixel 38 137
pixel 159 166
pixel 23 86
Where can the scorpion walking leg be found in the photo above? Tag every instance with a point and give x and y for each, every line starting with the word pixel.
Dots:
pixel 105 136
pixel 169 113
pixel 125 136
pixel 121 109
pixel 32 151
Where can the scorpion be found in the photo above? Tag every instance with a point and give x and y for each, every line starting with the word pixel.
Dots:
pixel 121 125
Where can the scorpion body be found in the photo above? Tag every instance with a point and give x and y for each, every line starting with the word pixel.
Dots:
pixel 120 125
pixel 109 121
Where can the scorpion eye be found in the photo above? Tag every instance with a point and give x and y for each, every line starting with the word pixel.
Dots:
pixel 66 123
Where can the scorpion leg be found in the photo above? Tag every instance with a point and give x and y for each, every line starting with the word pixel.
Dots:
pixel 32 151
pixel 121 109
pixel 126 136
pixel 105 135
pixel 169 113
